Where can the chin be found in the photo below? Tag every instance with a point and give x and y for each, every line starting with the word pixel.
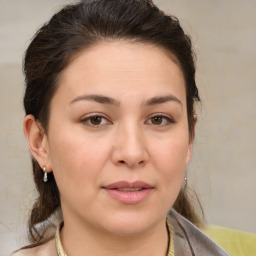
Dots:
pixel 129 224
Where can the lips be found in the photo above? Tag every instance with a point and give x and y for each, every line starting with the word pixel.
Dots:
pixel 129 189
pixel 129 193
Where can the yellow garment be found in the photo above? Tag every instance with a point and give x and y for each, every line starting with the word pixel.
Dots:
pixel 236 243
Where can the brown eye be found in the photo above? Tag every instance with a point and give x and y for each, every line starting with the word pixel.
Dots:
pixel 157 120
pixel 96 120
pixel 160 120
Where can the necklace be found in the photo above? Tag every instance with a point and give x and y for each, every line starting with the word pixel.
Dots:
pixel 61 251
pixel 171 238
pixel 59 247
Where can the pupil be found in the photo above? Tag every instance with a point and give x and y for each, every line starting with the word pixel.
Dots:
pixel 96 120
pixel 157 120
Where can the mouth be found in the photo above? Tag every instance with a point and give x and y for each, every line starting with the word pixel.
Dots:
pixel 125 185
pixel 129 189
pixel 129 193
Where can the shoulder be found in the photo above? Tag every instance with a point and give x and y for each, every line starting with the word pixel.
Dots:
pixel 233 241
pixel 190 240
pixel 47 249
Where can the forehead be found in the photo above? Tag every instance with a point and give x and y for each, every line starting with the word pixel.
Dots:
pixel 122 65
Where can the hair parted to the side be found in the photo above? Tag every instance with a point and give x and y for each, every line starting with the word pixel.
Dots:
pixel 75 28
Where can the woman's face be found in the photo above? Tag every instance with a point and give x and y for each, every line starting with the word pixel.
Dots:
pixel 118 140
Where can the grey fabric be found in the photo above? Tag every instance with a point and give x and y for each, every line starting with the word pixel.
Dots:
pixel 190 241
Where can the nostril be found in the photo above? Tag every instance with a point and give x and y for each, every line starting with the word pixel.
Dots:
pixel 124 162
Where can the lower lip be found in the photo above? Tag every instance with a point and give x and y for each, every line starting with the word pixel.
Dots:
pixel 129 197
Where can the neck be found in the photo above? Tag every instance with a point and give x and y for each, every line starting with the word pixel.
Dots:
pixel 84 240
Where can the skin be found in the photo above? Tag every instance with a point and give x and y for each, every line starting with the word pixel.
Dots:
pixel 125 144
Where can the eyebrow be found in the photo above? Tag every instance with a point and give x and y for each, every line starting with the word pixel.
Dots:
pixel 111 101
pixel 97 98
pixel 162 99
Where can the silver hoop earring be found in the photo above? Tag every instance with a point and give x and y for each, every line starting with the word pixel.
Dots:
pixel 45 179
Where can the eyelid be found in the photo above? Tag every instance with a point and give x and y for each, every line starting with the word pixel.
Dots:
pixel 87 117
pixel 164 116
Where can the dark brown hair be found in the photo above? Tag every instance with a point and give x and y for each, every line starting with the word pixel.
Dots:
pixel 75 28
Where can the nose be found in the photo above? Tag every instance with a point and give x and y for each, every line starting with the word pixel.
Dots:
pixel 130 148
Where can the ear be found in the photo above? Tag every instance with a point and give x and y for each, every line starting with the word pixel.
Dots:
pixel 191 139
pixel 37 141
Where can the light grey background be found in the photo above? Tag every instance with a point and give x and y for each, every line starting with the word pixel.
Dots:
pixel 223 166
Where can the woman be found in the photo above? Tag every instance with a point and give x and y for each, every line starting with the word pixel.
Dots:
pixel 109 101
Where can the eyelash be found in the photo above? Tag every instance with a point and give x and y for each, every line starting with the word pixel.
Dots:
pixel 164 118
pixel 88 120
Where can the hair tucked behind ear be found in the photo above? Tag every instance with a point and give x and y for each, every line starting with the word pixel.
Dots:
pixel 47 203
pixel 73 29
pixel 189 206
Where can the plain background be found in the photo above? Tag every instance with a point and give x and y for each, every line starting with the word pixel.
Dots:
pixel 223 165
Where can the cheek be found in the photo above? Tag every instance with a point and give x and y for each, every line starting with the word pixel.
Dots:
pixel 170 163
pixel 172 151
pixel 170 159
pixel 76 159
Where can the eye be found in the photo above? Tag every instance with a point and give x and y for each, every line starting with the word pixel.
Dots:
pixel 95 120
pixel 160 120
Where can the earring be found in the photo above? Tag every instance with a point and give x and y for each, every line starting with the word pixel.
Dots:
pixel 186 180
pixel 45 179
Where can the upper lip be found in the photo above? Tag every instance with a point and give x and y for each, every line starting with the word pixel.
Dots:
pixel 126 184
